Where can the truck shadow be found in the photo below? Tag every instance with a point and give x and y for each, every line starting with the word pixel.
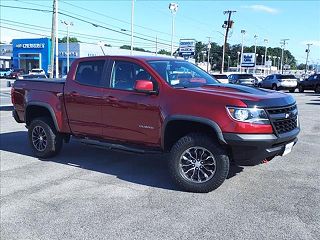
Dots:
pixel 149 170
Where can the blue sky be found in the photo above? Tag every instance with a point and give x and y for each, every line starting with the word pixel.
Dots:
pixel 297 20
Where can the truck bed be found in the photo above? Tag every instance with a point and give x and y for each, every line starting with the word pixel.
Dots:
pixel 40 92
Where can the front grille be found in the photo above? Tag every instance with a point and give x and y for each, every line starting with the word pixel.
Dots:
pixel 284 119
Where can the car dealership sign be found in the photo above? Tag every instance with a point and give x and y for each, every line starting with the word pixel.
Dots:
pixel 30 45
pixel 248 60
pixel 187 47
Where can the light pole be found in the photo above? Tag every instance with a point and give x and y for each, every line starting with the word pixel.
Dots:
pixel 209 47
pixel 228 63
pixel 283 45
pixel 238 61
pixel 243 32
pixel 278 68
pixel 132 15
pixel 68 24
pixel 255 52
pixel 265 54
pixel 274 59
pixel 307 51
pixel 262 59
pixel 173 8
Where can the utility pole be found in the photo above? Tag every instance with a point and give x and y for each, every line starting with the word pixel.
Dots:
pixel 132 15
pixel 283 45
pixel 209 47
pixel 56 39
pixel 53 32
pixel 156 45
pixel 243 32
pixel 227 25
pixel 307 51
pixel 255 52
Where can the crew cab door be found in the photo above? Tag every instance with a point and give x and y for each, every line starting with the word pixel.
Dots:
pixel 84 98
pixel 128 115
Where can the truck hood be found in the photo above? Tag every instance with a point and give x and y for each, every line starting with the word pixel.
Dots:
pixel 252 97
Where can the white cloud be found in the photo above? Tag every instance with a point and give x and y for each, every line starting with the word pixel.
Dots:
pixel 262 8
pixel 315 43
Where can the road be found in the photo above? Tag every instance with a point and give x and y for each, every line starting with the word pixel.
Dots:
pixel 5 99
pixel 88 193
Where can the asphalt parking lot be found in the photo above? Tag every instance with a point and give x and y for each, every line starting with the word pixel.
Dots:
pixel 89 193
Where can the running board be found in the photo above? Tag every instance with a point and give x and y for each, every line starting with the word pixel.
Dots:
pixel 114 146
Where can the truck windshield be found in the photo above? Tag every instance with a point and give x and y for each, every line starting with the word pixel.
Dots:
pixel 181 74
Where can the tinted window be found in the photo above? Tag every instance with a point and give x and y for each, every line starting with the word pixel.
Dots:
pixel 220 76
pixel 245 76
pixel 90 72
pixel 287 77
pixel 124 74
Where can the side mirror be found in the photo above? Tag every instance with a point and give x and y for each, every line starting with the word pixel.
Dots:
pixel 144 86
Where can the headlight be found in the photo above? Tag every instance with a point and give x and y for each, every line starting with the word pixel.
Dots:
pixel 250 115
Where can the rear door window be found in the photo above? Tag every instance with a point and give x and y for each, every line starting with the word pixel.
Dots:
pixel 90 73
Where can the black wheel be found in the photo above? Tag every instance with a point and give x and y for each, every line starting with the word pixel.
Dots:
pixel 198 164
pixel 317 89
pixel 274 87
pixel 259 85
pixel 291 90
pixel 45 141
pixel 301 90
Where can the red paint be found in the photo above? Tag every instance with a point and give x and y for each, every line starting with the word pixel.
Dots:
pixel 132 116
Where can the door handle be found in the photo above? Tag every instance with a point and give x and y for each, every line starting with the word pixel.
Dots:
pixel 112 99
pixel 74 94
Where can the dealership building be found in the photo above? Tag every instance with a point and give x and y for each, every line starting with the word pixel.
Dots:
pixel 35 53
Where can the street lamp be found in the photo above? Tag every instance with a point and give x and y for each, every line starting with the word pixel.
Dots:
pixel 262 59
pixel 255 52
pixel 173 8
pixel 265 54
pixel 238 60
pixel 243 32
pixel 278 68
pixel 68 24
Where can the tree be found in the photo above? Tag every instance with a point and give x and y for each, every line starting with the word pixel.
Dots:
pixel 164 52
pixel 134 48
pixel 71 39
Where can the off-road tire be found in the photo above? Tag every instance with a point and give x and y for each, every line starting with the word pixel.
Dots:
pixel 301 90
pixel 203 141
pixel 54 140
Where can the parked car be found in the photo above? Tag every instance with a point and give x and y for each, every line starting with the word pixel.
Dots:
pixel 278 82
pixel 5 72
pixel 129 103
pixel 311 83
pixel 242 79
pixel 221 77
pixel 32 76
pixel 37 71
pixel 16 73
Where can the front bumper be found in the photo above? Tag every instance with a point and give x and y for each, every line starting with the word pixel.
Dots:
pixel 253 148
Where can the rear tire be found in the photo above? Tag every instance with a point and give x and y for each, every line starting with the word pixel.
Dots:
pixel 198 164
pixel 274 87
pixel 317 89
pixel 291 90
pixel 45 141
pixel 301 89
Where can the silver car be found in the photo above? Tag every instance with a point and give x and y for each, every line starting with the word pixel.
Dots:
pixel 279 81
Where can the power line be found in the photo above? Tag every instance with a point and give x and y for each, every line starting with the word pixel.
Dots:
pixel 85 21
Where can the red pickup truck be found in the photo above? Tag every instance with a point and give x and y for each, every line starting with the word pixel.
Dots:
pixel 155 104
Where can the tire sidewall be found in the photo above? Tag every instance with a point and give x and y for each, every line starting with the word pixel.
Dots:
pixel 222 163
pixel 54 141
